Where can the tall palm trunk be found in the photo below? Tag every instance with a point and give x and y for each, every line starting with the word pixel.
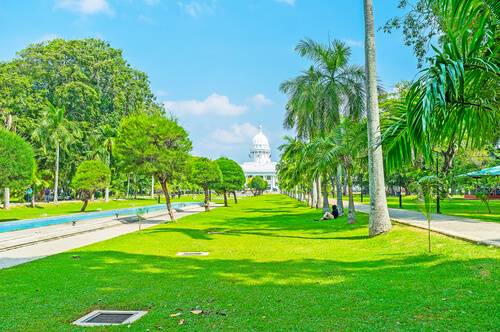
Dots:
pixel 106 195
pixel 6 199
pixel 152 187
pixel 56 175
pixel 351 215
pixel 379 215
pixel 338 185
pixel 314 193
pixel 326 204
pixel 33 196
pixel 318 192
pixel 309 197
pixel 128 184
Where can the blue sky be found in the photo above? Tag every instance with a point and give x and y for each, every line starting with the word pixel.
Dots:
pixel 217 64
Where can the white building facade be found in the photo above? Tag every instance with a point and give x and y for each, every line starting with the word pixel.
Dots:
pixel 261 164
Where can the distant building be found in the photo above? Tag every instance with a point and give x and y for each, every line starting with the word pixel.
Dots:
pixel 261 165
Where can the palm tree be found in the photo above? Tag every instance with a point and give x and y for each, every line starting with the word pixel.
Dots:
pixel 448 104
pixel 103 148
pixel 379 222
pixel 318 97
pixel 55 131
pixel 344 147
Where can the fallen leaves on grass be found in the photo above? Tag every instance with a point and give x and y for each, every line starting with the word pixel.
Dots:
pixel 181 321
pixel 197 312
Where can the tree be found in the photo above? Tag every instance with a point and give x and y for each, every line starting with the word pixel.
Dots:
pixel 344 146
pixel 17 163
pixel 90 176
pixel 425 190
pixel 233 177
pixel 152 144
pixel 448 105
pixel 379 221
pixel 103 148
pixel 206 174
pixel 257 185
pixel 55 131
pixel 317 98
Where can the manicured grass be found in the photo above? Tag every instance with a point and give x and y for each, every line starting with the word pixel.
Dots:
pixel 25 212
pixel 458 206
pixel 276 271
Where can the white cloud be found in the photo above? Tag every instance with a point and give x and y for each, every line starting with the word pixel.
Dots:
pixel 193 8
pixel 354 43
pixel 238 134
pixel 259 100
pixel 161 93
pixel 47 37
pixel 290 2
pixel 85 7
pixel 214 104
pixel 146 19
pixel 152 2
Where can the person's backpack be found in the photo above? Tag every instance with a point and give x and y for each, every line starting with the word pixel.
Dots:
pixel 47 191
pixel 335 211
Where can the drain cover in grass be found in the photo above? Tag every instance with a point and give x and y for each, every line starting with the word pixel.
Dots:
pixel 109 317
pixel 182 253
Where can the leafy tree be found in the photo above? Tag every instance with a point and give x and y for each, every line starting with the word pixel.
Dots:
pixel 55 131
pixel 233 177
pixel 206 174
pixel 425 188
pixel 90 176
pixel 258 185
pixel 152 144
pixel 379 221
pixel 17 162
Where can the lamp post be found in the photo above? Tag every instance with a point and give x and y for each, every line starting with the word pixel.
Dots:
pixel 438 208
pixel 400 192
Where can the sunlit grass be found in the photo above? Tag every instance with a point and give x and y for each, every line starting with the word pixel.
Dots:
pixel 276 270
pixel 457 206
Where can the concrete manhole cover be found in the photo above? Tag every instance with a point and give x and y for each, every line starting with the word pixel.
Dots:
pixel 109 317
pixel 183 253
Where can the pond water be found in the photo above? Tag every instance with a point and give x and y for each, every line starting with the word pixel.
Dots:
pixel 31 223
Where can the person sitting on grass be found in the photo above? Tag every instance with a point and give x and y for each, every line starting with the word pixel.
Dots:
pixel 330 216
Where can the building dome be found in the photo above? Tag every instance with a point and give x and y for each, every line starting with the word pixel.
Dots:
pixel 260 141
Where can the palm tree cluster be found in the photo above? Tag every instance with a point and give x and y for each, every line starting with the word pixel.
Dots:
pixel 326 106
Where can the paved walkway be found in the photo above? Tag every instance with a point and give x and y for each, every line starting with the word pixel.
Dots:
pixel 482 232
pixel 22 246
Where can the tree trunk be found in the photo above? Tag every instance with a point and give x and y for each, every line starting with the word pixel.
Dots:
pixel 85 202
pixel 314 193
pixel 338 185
pixel 235 200
pixel 379 215
pixel 351 215
pixel 225 198
pixel 167 199
pixel 6 199
pixel 106 195
pixel 318 192
pixel 207 201
pixel 326 204
pixel 128 184
pixel 152 187
pixel 309 198
pixel 56 175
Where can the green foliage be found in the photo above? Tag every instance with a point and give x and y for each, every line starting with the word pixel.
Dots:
pixel 17 161
pixel 233 177
pixel 90 176
pixel 153 145
pixel 258 185
pixel 206 173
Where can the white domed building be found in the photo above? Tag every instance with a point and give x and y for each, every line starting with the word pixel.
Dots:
pixel 261 165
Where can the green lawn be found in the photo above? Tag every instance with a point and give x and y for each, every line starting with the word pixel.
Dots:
pixel 277 270
pixel 459 207
pixel 25 212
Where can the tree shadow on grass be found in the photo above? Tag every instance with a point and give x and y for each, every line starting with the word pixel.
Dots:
pixel 408 292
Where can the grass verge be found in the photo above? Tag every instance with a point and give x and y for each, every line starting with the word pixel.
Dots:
pixel 276 270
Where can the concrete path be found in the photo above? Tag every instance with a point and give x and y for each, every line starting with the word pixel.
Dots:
pixel 22 246
pixel 477 231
